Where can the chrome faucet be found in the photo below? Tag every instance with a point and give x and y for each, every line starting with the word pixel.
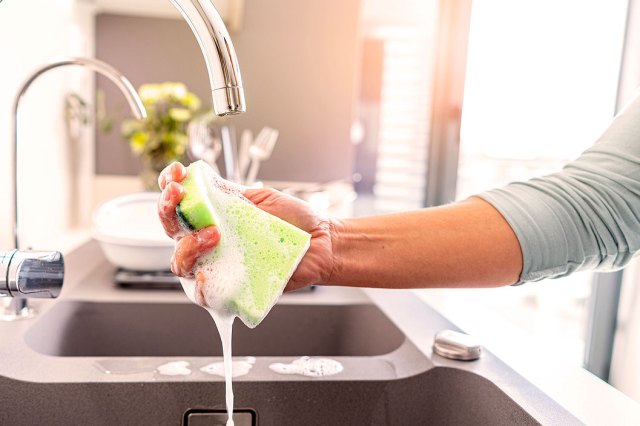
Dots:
pixel 219 54
pixel 39 274
pixel 27 274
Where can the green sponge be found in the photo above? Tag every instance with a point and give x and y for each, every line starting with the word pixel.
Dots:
pixel 195 209
pixel 257 253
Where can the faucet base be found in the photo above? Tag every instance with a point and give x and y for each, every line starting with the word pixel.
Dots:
pixel 15 309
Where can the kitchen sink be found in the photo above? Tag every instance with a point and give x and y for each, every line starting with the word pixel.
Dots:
pixel 94 357
pixel 440 396
pixel 386 380
pixel 80 328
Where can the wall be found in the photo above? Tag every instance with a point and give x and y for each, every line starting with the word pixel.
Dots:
pixel 298 62
pixel 33 32
pixel 230 10
pixel 145 50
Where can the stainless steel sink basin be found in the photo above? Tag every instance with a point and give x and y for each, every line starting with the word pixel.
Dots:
pixel 80 329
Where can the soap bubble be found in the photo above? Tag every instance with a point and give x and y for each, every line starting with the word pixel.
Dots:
pixel 257 253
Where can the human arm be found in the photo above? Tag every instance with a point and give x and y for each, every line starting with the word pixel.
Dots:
pixel 467 244
pixel 585 217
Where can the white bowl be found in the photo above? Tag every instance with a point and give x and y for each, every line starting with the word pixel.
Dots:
pixel 130 233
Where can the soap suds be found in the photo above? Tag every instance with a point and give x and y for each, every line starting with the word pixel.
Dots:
pixel 240 367
pixel 309 366
pixel 246 272
pixel 174 368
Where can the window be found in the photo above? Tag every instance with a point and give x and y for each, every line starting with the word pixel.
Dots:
pixel 541 86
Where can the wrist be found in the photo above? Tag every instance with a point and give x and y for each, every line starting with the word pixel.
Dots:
pixel 332 271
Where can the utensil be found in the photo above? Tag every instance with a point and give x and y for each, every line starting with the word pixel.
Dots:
pixel 243 152
pixel 202 144
pixel 234 154
pixel 197 141
pixel 228 153
pixel 213 152
pixel 260 151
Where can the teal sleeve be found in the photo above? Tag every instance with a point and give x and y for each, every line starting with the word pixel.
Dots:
pixel 585 217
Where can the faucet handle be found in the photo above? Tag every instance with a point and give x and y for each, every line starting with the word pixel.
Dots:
pixel 31 274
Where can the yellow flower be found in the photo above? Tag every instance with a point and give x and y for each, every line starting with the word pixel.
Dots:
pixel 179 114
pixel 191 101
pixel 138 142
pixel 177 90
pixel 170 106
pixel 150 93
pixel 129 127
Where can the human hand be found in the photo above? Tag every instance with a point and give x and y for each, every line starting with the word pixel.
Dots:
pixel 315 267
pixel 190 246
pixel 317 264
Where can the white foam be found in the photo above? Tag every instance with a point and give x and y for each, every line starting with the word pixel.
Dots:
pixel 226 277
pixel 240 367
pixel 174 368
pixel 309 366
pixel 224 268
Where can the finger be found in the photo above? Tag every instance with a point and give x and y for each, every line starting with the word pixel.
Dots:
pixel 290 209
pixel 167 203
pixel 296 283
pixel 258 195
pixel 291 286
pixel 191 247
pixel 174 172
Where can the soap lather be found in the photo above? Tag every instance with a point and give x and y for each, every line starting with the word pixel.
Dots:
pixel 257 253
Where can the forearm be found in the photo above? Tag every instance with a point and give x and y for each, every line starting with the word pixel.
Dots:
pixel 466 244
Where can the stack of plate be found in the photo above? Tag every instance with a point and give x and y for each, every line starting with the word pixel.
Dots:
pixel 130 233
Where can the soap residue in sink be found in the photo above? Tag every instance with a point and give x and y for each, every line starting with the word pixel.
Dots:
pixel 174 368
pixel 125 366
pixel 240 367
pixel 309 366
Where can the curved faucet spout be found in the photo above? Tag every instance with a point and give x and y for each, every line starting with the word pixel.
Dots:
pixel 100 67
pixel 28 274
pixel 219 54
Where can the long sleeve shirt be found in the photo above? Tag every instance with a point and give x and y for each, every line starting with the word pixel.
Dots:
pixel 585 217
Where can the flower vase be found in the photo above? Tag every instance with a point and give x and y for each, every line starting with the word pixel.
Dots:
pixel 149 174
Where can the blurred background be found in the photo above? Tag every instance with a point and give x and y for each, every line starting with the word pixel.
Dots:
pixel 379 106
